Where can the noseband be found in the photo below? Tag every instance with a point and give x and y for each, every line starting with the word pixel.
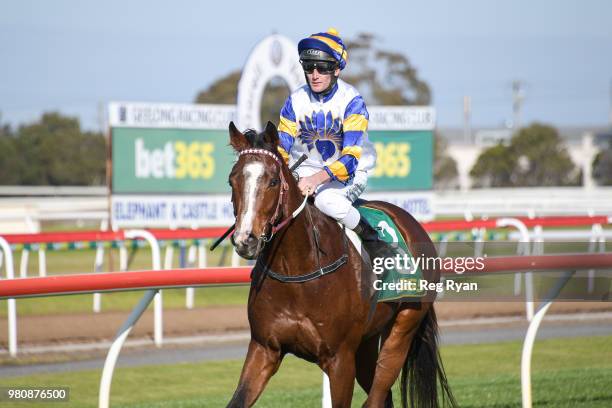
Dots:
pixel 275 226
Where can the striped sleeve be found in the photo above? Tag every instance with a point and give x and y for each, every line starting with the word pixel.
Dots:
pixel 287 129
pixel 355 125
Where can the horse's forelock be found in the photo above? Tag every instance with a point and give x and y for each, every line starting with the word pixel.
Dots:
pixel 257 141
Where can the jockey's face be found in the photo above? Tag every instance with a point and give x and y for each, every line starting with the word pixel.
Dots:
pixel 319 82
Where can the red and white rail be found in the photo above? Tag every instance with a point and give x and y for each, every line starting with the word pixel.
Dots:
pixel 214 232
pixel 152 281
pixel 478 227
pixel 155 280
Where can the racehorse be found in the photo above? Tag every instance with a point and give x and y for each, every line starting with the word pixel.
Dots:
pixel 311 292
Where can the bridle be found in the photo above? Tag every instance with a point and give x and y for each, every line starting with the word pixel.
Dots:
pixel 275 223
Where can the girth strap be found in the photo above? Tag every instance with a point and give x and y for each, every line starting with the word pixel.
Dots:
pixel 309 276
pixel 322 271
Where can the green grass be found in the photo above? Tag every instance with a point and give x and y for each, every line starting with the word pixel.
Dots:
pixel 572 372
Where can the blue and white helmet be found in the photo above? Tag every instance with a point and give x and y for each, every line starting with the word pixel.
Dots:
pixel 324 47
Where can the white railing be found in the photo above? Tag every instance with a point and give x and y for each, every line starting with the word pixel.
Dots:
pixel 11 304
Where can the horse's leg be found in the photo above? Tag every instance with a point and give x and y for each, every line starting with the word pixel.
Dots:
pixel 365 359
pixel 341 372
pixel 261 363
pixel 393 355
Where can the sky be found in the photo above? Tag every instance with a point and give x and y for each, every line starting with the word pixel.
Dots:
pixel 75 56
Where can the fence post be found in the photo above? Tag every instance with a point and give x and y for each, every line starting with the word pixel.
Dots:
pixel 113 352
pixel 596 242
pixel 191 262
pixel 124 331
pixel 532 331
pixel 520 226
pixel 98 265
pixel 156 260
pixel 11 304
pixel 23 263
pixel 42 261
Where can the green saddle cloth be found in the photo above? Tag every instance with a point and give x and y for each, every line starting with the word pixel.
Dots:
pixel 393 284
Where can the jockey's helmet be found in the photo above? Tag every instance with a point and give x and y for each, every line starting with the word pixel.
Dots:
pixel 325 46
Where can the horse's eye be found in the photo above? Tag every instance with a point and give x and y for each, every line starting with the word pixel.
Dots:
pixel 274 182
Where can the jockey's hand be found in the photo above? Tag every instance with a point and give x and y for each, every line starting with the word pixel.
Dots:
pixel 308 185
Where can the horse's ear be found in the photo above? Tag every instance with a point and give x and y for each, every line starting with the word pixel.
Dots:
pixel 237 139
pixel 271 134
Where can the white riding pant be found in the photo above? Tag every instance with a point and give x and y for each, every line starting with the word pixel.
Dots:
pixel 336 199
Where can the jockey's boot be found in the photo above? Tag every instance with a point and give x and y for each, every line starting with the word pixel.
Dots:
pixel 376 247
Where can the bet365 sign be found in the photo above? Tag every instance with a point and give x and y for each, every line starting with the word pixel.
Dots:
pixel 199 161
pixel 174 150
pixel 170 161
pixel 404 160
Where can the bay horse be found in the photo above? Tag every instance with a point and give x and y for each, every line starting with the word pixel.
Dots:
pixel 311 293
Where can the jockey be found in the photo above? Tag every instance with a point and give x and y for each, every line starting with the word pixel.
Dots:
pixel 327 120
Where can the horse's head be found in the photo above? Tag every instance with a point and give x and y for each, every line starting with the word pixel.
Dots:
pixel 257 183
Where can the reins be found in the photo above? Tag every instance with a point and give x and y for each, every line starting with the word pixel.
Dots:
pixel 277 226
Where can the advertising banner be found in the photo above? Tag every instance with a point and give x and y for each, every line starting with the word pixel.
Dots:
pixel 172 211
pixel 164 161
pixel 404 160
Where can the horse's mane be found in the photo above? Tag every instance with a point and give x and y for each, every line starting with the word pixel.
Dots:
pixel 257 141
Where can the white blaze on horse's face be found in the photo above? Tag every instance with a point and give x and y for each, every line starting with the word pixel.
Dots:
pixel 252 173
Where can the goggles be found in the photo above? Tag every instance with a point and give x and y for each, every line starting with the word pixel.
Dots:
pixel 323 67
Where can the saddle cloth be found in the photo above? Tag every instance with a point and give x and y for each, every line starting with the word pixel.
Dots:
pixel 395 279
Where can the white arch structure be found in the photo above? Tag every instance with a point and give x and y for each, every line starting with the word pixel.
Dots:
pixel 275 56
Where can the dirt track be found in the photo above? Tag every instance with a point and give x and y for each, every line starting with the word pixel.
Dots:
pixel 33 330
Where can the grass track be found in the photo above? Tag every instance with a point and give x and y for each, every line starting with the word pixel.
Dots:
pixel 572 372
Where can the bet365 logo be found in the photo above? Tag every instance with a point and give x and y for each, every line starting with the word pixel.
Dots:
pixel 176 160
pixel 393 159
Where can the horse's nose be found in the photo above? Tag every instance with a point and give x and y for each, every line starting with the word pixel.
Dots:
pixel 251 240
pixel 246 239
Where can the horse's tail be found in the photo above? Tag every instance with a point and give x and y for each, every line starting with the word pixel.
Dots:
pixel 423 369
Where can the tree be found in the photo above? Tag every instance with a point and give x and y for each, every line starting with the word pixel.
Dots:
pixel 446 175
pixel 53 151
pixel 382 77
pixel 223 90
pixel 543 159
pixel 535 157
pixel 274 96
pixel 5 129
pixel 602 166
pixel 494 167
pixel 9 157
